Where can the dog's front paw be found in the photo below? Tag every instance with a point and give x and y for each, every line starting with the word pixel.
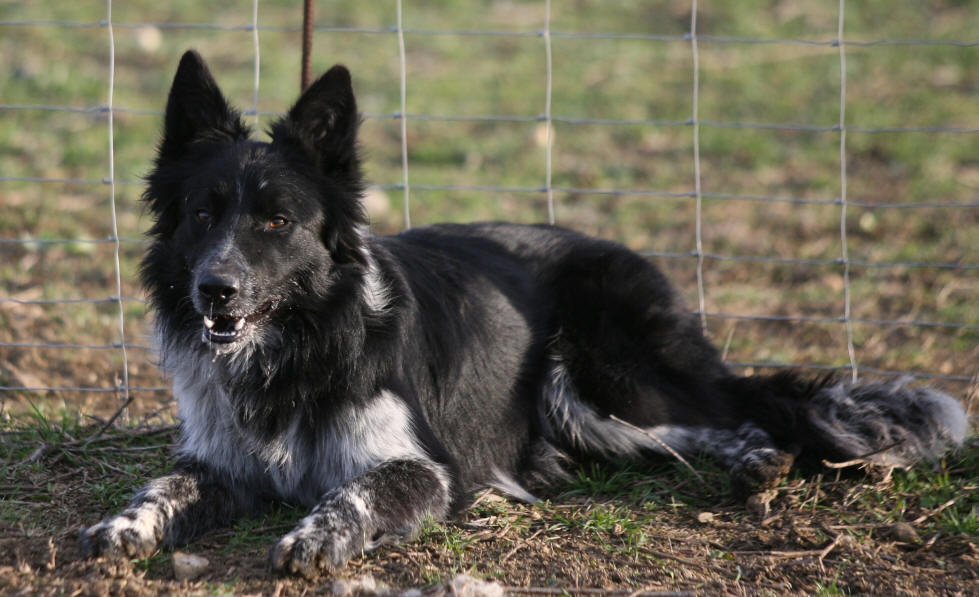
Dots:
pixel 124 535
pixel 321 542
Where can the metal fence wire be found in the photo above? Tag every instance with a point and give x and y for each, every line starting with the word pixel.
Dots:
pixel 121 343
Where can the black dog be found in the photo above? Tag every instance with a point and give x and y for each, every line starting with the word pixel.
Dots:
pixel 380 380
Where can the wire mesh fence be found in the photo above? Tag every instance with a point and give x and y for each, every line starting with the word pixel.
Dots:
pixel 806 175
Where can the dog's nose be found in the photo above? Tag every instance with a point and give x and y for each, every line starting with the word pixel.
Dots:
pixel 218 289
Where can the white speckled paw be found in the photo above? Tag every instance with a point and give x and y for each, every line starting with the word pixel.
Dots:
pixel 127 534
pixel 322 542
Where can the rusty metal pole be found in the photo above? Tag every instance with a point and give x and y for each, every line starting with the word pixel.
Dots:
pixel 307 43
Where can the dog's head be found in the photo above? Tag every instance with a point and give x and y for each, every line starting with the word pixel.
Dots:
pixel 246 230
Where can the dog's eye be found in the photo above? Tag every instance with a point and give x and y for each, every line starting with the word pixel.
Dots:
pixel 278 222
pixel 203 216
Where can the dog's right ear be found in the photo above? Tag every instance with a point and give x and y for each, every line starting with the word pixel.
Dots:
pixel 196 110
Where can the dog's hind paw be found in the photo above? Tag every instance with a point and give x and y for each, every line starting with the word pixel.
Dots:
pixel 760 504
pixel 759 470
pixel 124 535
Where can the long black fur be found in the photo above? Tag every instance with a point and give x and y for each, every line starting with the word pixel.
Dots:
pixel 380 380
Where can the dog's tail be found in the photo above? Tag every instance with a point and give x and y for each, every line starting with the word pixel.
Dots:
pixel 888 422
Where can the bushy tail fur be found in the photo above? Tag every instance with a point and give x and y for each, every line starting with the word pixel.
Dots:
pixel 888 422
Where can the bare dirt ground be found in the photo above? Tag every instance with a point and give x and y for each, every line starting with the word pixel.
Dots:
pixel 657 530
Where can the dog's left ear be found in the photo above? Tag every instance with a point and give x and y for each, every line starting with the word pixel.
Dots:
pixel 323 126
pixel 324 121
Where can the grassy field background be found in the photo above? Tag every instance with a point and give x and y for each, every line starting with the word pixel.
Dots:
pixel 623 168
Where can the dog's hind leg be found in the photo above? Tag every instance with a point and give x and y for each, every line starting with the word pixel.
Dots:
pixel 168 511
pixel 626 348
pixel 754 461
pixel 624 345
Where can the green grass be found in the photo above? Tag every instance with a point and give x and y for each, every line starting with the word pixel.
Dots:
pixel 956 482
pixel 617 528
pixel 55 454
pixel 261 532
pixel 452 544
pixel 623 514
pixel 832 588
pixel 593 78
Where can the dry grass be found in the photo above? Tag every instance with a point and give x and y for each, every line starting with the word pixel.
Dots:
pixel 615 530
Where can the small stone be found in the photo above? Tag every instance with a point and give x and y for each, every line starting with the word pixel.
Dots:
pixel 187 566
pixel 759 504
pixel 362 585
pixel 903 532
pixel 149 38
pixel 467 586
pixel 868 222
pixel 705 517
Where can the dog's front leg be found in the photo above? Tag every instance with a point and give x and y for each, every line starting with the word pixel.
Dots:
pixel 170 510
pixel 387 503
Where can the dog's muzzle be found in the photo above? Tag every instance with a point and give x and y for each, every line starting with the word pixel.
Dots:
pixel 225 328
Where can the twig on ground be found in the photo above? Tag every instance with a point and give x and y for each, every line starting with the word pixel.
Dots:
pixel 112 419
pixel 519 546
pixel 401 551
pixel 727 342
pixel 589 591
pixel 38 454
pixel 75 445
pixel 51 564
pixel 777 554
pixel 665 446
pixel 669 556
pixel 121 471
pixel 861 460
pixel 819 553
pixel 931 541
pixel 119 449
pixel 483 496
pixel 934 512
pixel 972 393
pixel 829 548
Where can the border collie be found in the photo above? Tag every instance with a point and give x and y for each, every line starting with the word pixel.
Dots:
pixel 380 380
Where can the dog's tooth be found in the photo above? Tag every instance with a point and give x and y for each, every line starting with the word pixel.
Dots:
pixel 240 324
pixel 208 322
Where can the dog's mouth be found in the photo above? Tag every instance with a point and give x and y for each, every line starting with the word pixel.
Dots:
pixel 227 328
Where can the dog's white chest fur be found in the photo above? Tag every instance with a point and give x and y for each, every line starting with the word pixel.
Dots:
pixel 301 462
